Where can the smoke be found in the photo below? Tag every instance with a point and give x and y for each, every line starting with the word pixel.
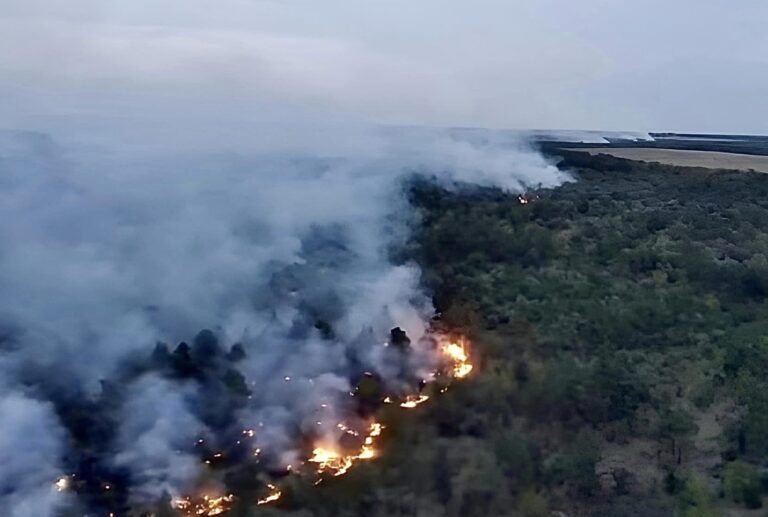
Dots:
pixel 156 427
pixel 30 451
pixel 591 137
pixel 282 248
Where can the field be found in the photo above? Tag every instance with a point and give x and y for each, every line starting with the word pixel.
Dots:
pixel 686 158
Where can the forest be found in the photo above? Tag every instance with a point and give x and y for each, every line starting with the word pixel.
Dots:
pixel 621 338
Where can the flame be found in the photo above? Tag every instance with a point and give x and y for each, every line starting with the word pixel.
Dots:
pixel 456 352
pixel 330 459
pixel 206 506
pixel 368 451
pixel 274 495
pixel 411 401
pixel 62 484
pixel 347 430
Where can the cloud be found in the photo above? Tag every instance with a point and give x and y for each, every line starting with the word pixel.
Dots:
pixel 528 64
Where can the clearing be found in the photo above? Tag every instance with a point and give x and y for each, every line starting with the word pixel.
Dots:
pixel 706 159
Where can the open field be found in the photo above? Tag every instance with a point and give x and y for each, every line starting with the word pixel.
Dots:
pixel 707 159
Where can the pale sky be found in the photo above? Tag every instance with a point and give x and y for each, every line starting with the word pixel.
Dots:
pixel 685 65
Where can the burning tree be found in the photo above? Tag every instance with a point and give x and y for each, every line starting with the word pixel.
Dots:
pixel 245 472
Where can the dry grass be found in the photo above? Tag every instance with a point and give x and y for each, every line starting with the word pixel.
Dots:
pixel 706 159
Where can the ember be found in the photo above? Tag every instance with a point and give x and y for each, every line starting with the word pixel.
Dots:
pixel 205 506
pixel 274 495
pixel 330 456
pixel 411 401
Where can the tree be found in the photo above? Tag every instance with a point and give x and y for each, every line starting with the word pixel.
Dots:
pixel 399 339
pixel 531 504
pixel 676 425
pixel 696 499
pixel 161 356
pixel 516 457
pixel 164 507
pixel 236 353
pixel 742 484
pixel 205 348
pixel 576 465
pixel 182 361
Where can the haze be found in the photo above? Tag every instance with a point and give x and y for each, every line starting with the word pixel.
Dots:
pixel 596 64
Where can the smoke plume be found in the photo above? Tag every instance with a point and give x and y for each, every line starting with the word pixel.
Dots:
pixel 160 307
pixel 30 452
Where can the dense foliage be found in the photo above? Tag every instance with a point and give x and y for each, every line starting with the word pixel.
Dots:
pixel 622 338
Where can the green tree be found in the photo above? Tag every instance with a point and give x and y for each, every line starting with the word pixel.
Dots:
pixel 676 425
pixel 741 484
pixel 531 504
pixel 516 457
pixel 696 499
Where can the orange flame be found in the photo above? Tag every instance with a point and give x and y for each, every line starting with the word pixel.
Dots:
pixel 456 353
pixel 331 460
pixel 205 506
pixel 411 401
pixel 274 495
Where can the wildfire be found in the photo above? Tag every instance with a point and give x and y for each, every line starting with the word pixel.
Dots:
pixel 274 495
pixel 411 401
pixel 456 352
pixel 330 459
pixel 206 506
pixel 374 432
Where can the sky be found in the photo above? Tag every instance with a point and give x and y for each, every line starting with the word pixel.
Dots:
pixel 688 65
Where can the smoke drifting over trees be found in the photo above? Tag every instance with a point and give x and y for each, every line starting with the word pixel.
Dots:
pixel 285 253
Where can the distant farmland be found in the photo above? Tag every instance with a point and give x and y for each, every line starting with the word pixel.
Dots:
pixel 707 159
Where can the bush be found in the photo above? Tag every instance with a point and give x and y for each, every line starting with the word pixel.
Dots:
pixel 741 484
pixel 696 499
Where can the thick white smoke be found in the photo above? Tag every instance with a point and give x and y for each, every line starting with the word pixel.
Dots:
pixel 156 425
pixel 109 251
pixel 30 454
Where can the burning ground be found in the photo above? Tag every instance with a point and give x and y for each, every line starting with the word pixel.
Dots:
pixel 119 402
